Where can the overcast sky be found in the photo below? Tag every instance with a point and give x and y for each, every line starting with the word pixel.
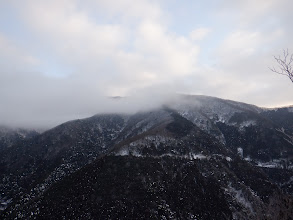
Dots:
pixel 59 59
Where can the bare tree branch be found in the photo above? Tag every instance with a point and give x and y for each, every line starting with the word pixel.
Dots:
pixel 284 65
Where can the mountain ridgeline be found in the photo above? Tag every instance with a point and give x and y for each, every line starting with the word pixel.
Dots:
pixel 196 158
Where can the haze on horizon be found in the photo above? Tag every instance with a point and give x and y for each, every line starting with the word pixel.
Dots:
pixel 61 59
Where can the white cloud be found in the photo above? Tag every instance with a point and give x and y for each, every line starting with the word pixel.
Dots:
pixel 245 12
pixel 240 45
pixel 71 31
pixel 156 55
pixel 199 34
pixel 10 51
pixel 172 54
pixel 128 9
pixel 106 58
pixel 124 47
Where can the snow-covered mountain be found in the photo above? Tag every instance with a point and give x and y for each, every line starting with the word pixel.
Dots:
pixel 198 157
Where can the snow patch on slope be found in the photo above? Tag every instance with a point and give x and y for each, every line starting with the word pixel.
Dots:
pixel 239 197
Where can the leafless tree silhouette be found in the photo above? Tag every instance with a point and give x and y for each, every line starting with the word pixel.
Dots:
pixel 285 63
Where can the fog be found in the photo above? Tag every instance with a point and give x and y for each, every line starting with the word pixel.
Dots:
pixel 32 102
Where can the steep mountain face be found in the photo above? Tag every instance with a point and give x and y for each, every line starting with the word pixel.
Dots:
pixel 255 133
pixel 283 118
pixel 28 168
pixel 9 136
pixel 197 158
pixel 205 112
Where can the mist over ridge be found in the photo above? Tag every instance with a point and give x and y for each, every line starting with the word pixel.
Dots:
pixel 46 118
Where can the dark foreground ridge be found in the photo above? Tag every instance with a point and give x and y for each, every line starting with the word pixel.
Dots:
pixel 135 188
